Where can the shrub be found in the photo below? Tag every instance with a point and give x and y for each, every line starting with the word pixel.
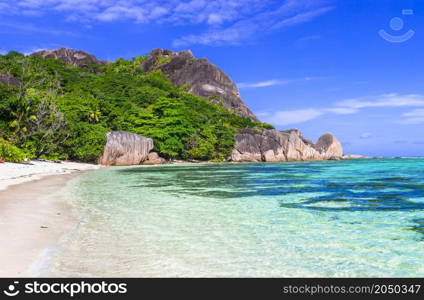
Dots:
pixel 11 153
pixel 87 142
pixel 266 126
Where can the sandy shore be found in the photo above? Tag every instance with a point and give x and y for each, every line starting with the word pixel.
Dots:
pixel 33 215
pixel 11 173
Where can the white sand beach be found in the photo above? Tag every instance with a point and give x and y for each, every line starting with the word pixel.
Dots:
pixel 33 212
pixel 11 173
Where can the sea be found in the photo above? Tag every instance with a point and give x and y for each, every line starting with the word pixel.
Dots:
pixel 352 218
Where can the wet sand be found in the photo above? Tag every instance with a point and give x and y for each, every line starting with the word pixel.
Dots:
pixel 33 216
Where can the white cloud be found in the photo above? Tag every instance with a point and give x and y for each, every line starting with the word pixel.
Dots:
pixel 386 100
pixel 341 110
pixel 225 21
pixel 256 20
pixel 302 17
pixel 353 106
pixel 28 27
pixel 281 118
pixel 215 19
pixel 232 35
pixel 273 82
pixel 365 135
pixel 412 121
pixel 260 84
pixel 413 117
pixel 139 15
pixel 415 113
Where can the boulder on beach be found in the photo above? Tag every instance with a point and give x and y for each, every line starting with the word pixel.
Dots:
pixel 125 149
pixel 275 146
pixel 154 159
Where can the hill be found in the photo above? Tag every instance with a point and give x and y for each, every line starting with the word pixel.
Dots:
pixel 59 104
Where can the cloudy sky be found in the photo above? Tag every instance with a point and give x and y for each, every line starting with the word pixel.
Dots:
pixel 354 68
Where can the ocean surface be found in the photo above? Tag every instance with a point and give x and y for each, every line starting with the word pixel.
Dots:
pixel 330 219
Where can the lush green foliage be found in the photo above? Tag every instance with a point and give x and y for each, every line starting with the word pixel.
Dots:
pixel 11 153
pixel 61 111
pixel 266 126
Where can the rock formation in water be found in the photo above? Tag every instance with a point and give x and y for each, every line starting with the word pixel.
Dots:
pixel 203 78
pixel 76 58
pixel 7 79
pixel 125 149
pixel 275 146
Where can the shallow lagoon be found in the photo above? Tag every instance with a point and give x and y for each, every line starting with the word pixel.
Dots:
pixel 306 219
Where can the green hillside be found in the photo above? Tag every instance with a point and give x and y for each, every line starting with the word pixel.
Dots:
pixel 58 111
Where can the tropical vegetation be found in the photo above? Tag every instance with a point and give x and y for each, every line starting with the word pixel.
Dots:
pixel 59 111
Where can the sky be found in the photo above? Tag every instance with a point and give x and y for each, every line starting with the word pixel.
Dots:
pixel 349 67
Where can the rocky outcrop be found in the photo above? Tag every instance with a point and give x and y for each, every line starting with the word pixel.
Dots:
pixel 275 146
pixel 203 78
pixel 125 149
pixel 76 58
pixel 7 79
pixel 154 159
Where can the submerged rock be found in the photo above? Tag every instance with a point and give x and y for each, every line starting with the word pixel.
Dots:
pixel 203 78
pixel 76 58
pixel 125 149
pixel 275 146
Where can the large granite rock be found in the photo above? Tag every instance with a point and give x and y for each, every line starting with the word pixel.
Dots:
pixel 328 146
pixel 7 79
pixel 76 58
pixel 154 159
pixel 204 78
pixel 125 149
pixel 275 146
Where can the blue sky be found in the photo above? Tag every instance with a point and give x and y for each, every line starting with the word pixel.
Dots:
pixel 317 65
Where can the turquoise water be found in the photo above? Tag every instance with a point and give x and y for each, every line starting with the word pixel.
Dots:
pixel 331 219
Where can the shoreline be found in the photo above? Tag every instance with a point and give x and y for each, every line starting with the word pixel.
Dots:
pixel 34 213
pixel 33 216
pixel 17 173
